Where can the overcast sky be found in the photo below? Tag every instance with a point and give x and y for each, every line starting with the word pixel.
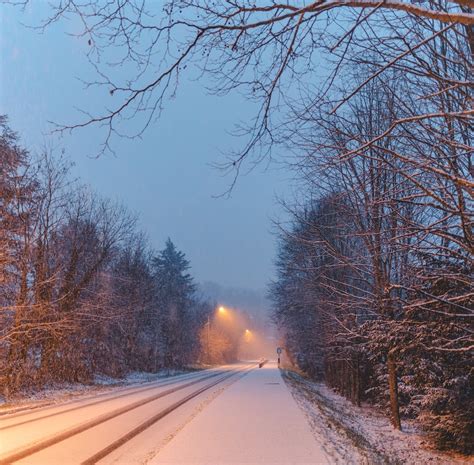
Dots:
pixel 166 177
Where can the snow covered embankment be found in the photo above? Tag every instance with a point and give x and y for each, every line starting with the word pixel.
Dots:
pixel 360 435
pixel 58 393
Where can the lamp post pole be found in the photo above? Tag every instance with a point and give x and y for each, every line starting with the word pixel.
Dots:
pixel 221 311
pixel 208 335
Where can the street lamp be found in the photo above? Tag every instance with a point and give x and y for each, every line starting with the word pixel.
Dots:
pixel 247 339
pixel 222 311
pixel 208 335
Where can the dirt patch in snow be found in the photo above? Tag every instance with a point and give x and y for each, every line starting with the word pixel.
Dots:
pixel 361 435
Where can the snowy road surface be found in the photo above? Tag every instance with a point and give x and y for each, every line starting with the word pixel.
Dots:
pixel 255 420
pixel 234 414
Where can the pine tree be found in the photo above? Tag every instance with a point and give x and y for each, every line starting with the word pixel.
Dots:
pixel 12 164
pixel 175 291
pixel 17 190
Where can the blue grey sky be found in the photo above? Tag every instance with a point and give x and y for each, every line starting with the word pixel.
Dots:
pixel 166 176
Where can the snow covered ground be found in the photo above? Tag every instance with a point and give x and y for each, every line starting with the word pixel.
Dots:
pixel 361 435
pixel 63 392
pixel 76 431
pixel 254 421
pixel 237 414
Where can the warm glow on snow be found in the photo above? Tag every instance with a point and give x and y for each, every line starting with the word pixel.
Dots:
pixel 314 162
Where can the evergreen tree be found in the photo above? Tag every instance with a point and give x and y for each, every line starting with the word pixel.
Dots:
pixel 12 166
pixel 17 190
pixel 175 291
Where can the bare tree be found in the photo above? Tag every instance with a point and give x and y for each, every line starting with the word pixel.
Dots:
pixel 265 50
pixel 386 267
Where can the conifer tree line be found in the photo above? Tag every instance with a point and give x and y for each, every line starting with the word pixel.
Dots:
pixel 81 290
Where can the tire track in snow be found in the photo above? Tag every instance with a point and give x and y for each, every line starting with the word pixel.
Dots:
pixel 45 443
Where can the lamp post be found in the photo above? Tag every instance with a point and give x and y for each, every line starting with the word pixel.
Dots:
pixel 208 335
pixel 247 337
pixel 222 311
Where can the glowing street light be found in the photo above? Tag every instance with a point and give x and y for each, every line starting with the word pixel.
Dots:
pixel 221 311
pixel 247 338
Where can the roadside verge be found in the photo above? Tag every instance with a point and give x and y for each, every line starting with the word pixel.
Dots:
pixel 361 435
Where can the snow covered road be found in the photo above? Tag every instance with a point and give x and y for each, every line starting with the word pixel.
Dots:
pixel 235 414
pixel 255 421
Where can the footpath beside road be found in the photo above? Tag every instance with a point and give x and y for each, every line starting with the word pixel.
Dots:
pixel 254 421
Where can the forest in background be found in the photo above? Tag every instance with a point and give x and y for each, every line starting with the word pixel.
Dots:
pixel 82 292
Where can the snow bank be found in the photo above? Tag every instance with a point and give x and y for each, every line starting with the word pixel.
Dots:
pixel 57 393
pixel 361 435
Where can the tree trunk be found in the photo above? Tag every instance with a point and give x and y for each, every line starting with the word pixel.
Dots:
pixel 393 386
pixel 357 380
